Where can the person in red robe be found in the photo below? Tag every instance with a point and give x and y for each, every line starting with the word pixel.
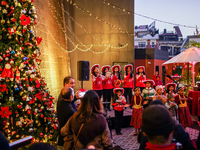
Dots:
pixel 154 76
pixel 185 118
pixel 140 77
pixel 158 81
pixel 96 80
pixel 128 82
pixel 137 103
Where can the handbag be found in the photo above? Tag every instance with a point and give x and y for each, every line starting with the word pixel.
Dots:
pixel 77 136
pixel 70 143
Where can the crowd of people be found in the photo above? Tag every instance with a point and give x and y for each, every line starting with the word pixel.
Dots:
pixel 88 128
pixel 159 113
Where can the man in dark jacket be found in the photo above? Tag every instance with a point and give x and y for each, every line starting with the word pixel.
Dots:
pixel 69 82
pixel 65 110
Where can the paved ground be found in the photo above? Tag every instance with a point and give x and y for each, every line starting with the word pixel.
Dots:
pixel 129 142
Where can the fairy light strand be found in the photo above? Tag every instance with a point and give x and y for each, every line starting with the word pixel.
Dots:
pixel 97 18
pixel 76 46
pixel 144 16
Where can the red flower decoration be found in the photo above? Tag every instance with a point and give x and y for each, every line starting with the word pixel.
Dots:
pixel 5 113
pixel 38 84
pixel 25 20
pixel 3 88
pixel 39 96
pixel 3 3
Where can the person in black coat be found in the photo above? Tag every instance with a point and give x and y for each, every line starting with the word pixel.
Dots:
pixel 65 110
pixel 69 82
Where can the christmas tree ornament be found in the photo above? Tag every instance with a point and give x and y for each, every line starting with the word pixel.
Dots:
pixel 3 21
pixel 4 11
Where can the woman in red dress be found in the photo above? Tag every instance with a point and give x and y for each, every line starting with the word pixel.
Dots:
pixel 96 80
pixel 140 77
pixel 128 82
pixel 118 103
pixel 107 85
pixel 185 118
pixel 116 77
pixel 136 118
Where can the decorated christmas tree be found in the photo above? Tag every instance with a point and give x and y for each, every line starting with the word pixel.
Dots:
pixel 26 106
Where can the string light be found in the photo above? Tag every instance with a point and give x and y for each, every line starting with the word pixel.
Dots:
pixel 96 17
pixel 132 13
pixel 79 25
pixel 77 46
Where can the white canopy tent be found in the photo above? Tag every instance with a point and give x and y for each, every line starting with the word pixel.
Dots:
pixel 191 55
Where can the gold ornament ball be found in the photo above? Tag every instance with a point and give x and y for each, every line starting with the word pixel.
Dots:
pixel 3 21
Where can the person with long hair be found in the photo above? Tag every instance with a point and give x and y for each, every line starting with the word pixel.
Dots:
pixel 96 80
pixel 116 77
pixel 140 77
pixel 88 126
pixel 118 103
pixel 137 103
pixel 128 82
pixel 185 118
pixel 171 90
pixel 107 85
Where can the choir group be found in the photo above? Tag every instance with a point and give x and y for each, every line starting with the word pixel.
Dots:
pixel 146 90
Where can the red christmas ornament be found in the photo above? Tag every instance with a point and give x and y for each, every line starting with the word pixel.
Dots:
pixel 19 106
pixel 5 113
pixel 14 20
pixel 4 123
pixel 29 111
pixel 41 134
pixel 25 20
pixel 42 116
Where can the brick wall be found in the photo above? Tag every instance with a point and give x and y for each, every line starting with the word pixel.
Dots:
pixel 55 61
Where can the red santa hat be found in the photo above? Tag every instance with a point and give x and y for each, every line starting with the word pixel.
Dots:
pixel 94 66
pixel 170 84
pixel 198 82
pixel 176 76
pixel 150 81
pixel 106 66
pixel 118 66
pixel 129 65
pixel 137 69
pixel 118 89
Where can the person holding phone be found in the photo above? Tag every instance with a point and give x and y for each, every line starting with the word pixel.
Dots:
pixel 107 85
